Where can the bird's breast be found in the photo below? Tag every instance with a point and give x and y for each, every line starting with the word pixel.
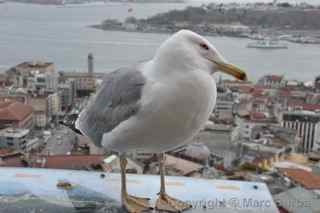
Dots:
pixel 191 101
pixel 180 107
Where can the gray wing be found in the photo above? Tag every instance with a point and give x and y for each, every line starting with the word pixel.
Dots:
pixel 116 101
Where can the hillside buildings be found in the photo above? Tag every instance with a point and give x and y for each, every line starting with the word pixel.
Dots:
pixel 85 83
pixel 33 75
pixel 16 115
pixel 257 131
pixel 274 81
pixel 14 138
pixel 307 125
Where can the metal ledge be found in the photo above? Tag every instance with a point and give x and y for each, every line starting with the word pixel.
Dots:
pixel 52 191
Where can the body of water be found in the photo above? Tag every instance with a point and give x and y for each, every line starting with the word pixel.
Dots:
pixel 61 35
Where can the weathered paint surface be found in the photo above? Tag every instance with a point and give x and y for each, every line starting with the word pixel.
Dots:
pixel 53 191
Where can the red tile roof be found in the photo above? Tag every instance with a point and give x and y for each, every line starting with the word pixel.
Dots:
pixel 304 106
pixel 261 87
pixel 4 152
pixel 307 179
pixel 259 91
pixel 257 116
pixel 71 161
pixel 245 89
pixel 311 107
pixel 294 103
pixel 12 160
pixel 185 167
pixel 259 100
pixel 34 65
pixel 14 111
pixel 275 77
pixel 284 93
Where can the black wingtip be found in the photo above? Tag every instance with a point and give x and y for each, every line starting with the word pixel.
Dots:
pixel 70 123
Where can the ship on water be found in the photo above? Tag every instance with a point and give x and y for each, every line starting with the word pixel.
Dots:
pixel 267 43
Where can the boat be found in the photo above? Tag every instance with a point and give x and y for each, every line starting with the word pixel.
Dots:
pixel 304 40
pixel 73 4
pixel 267 43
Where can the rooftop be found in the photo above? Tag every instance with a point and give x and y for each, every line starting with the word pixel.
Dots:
pixel 4 152
pixel 12 159
pixel 262 149
pixel 39 104
pixel 14 111
pixel 69 161
pixel 245 89
pixel 302 116
pixel 75 74
pixel 298 200
pixel 258 116
pixel 306 179
pixel 184 166
pixel 14 133
pixel 274 77
pixel 34 65
pixel 291 165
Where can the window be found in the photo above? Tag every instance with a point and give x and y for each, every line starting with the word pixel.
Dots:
pixel 41 80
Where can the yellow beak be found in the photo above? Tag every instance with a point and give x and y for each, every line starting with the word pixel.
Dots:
pixel 231 70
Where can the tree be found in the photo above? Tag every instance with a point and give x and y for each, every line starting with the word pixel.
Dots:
pixel 131 20
pixel 285 5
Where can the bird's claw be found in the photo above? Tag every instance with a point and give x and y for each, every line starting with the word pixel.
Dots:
pixel 136 204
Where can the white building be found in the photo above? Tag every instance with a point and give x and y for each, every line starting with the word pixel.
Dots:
pixel 43 82
pixel 40 111
pixel 24 75
pixel 245 127
pixel 224 109
pixel 307 125
pixel 274 81
pixel 54 104
pixel 112 164
pixel 67 92
pixel 225 104
pixel 13 138
pixel 32 144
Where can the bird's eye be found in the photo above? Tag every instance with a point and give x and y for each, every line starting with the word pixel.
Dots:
pixel 204 46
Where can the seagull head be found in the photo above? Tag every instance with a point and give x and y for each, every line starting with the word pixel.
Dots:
pixel 187 50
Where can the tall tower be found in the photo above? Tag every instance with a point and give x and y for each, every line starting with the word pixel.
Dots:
pixel 90 64
pixel 275 2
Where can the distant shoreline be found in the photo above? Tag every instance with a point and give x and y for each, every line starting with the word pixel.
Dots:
pixel 98 27
pixel 156 30
pixel 167 32
pixel 293 23
pixel 62 3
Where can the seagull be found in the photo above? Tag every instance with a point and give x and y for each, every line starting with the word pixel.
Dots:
pixel 156 106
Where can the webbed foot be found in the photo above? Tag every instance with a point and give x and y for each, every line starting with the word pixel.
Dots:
pixel 170 204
